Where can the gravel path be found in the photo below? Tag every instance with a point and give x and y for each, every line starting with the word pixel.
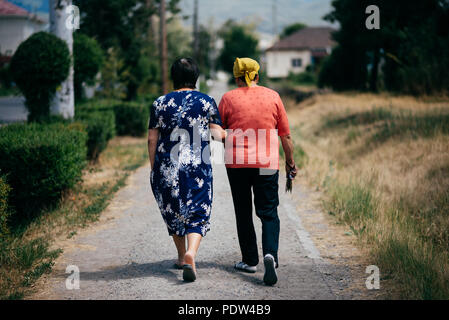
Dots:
pixel 128 254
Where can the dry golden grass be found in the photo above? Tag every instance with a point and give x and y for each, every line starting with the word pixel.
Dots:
pixel 394 167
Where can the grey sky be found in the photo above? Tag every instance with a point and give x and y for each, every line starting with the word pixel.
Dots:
pixel 309 12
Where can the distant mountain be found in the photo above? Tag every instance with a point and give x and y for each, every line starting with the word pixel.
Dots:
pixel 260 12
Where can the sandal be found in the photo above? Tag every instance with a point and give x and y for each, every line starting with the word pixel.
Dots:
pixel 188 275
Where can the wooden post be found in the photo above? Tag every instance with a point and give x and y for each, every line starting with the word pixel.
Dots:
pixel 63 103
pixel 196 40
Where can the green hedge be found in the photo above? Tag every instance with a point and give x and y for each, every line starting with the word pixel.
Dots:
pixel 100 127
pixel 131 118
pixel 41 161
pixel 4 210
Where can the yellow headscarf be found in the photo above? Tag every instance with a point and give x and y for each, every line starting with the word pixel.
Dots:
pixel 246 67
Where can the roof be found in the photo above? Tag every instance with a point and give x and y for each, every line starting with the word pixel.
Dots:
pixel 312 38
pixel 8 9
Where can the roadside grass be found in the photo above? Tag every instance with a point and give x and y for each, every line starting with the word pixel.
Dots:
pixel 299 154
pixel 31 250
pixel 384 172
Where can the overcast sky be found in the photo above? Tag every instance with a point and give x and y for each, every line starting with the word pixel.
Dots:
pixel 309 12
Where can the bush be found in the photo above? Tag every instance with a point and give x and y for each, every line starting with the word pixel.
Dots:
pixel 88 59
pixel 100 127
pixel 307 77
pixel 41 161
pixel 131 119
pixel 97 105
pixel 39 66
pixel 5 77
pixel 4 210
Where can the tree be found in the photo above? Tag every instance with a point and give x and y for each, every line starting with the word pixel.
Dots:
pixel 126 25
pixel 39 66
pixel 114 76
pixel 239 41
pixel 88 59
pixel 292 28
pixel 64 101
pixel 205 43
pixel 410 34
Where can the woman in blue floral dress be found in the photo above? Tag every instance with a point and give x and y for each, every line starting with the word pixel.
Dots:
pixel 181 176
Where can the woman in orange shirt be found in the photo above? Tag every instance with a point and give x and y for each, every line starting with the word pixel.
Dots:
pixel 254 117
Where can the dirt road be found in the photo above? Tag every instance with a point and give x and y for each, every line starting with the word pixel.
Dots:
pixel 128 254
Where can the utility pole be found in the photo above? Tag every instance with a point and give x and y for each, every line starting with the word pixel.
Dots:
pixel 275 18
pixel 196 40
pixel 63 103
pixel 163 48
pixel 152 24
pixel 150 31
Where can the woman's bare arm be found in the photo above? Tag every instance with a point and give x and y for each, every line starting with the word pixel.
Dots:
pixel 153 137
pixel 287 145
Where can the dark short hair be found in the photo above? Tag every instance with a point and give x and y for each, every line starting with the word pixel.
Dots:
pixel 244 79
pixel 184 73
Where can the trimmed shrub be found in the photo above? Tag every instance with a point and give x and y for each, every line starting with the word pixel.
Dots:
pixel 41 162
pixel 100 127
pixel 39 66
pixel 97 105
pixel 131 119
pixel 88 59
pixel 4 210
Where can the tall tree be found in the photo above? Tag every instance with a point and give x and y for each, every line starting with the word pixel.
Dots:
pixel 128 26
pixel 239 41
pixel 411 32
pixel 64 101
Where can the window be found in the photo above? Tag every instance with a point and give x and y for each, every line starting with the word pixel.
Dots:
pixel 296 63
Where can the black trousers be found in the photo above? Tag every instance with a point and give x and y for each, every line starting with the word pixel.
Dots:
pixel 266 200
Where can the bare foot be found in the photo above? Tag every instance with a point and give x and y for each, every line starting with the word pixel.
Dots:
pixel 189 259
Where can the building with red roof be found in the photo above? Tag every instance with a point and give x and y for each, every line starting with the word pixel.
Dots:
pixel 295 53
pixel 16 25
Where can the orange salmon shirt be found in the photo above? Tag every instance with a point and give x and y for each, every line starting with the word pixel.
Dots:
pixel 254 118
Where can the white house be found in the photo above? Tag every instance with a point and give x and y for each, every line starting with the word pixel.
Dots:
pixel 16 25
pixel 297 51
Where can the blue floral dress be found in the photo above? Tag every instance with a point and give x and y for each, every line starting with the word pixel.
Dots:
pixel 181 178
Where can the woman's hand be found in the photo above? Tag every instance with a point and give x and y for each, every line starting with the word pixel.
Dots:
pixel 217 132
pixel 291 169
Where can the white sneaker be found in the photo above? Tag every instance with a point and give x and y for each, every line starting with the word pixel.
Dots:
pixel 270 277
pixel 244 267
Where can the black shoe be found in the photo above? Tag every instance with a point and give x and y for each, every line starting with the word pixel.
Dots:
pixel 270 277
pixel 188 274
